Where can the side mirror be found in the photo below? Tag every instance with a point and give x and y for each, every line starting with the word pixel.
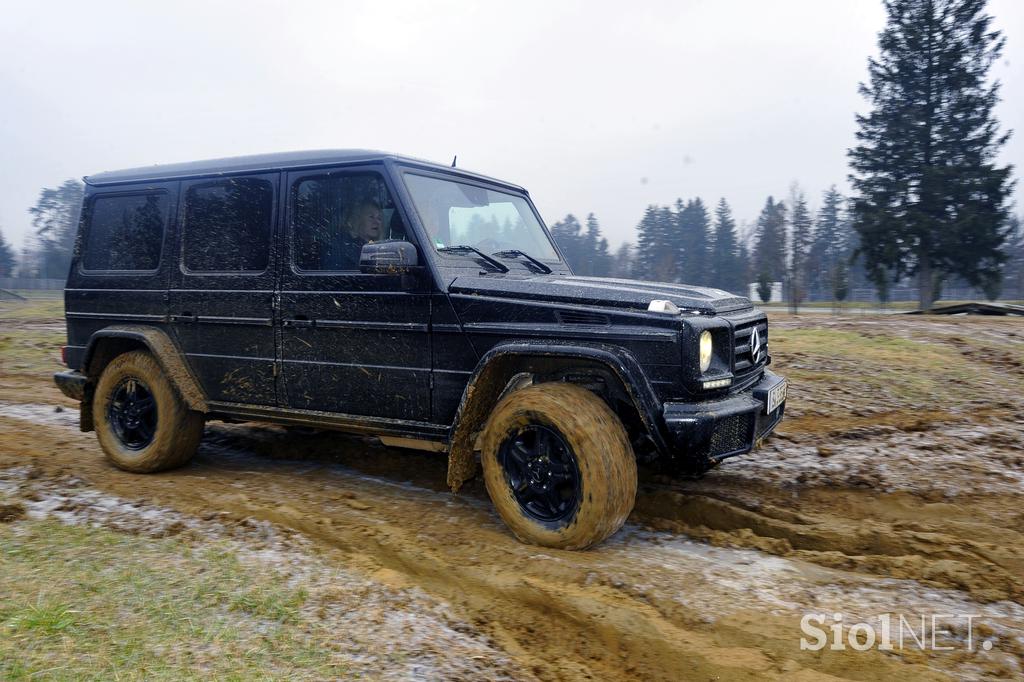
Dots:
pixel 391 257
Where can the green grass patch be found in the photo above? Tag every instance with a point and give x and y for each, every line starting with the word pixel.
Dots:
pixel 87 603
pixel 35 309
pixel 917 371
pixel 31 351
pixel 28 344
pixel 272 605
pixel 43 617
pixel 868 305
pixel 874 348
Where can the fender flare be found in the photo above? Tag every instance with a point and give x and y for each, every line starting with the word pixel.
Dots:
pixel 485 386
pixel 166 353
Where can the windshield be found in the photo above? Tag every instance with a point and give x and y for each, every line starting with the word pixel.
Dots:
pixel 459 214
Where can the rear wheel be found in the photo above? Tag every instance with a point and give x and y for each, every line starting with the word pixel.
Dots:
pixel 558 466
pixel 142 423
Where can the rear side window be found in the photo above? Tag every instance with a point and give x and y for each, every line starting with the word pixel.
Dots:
pixel 228 225
pixel 125 232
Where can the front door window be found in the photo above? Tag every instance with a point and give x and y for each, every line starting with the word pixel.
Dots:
pixel 334 215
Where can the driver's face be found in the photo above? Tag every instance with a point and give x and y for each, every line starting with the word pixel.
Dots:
pixel 368 223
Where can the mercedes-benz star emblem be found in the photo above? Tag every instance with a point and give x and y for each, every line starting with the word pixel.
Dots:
pixel 755 345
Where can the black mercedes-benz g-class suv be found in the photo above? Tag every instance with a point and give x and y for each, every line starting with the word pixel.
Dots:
pixel 418 303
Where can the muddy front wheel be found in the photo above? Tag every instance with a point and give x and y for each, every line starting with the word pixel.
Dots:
pixel 558 466
pixel 142 423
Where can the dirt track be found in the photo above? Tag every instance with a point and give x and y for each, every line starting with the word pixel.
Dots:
pixel 877 496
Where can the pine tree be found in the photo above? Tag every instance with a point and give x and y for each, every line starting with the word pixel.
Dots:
pixel 656 245
pixel 6 257
pixel 599 260
pixel 840 282
pixel 622 263
pixel 589 243
pixel 692 241
pixel 769 253
pixel 745 269
pixel 1013 273
pixel 55 217
pixel 726 270
pixel 830 242
pixel 586 252
pixel 931 200
pixel 28 262
pixel 666 264
pixel 799 246
pixel 567 234
pixel 647 244
pixel 602 259
pixel 764 287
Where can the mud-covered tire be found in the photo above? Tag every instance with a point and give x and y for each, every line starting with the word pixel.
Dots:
pixel 598 445
pixel 175 429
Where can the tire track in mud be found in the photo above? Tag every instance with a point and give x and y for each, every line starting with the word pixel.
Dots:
pixel 966 555
pixel 645 605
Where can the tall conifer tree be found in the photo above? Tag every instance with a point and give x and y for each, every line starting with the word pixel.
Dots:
pixel 830 241
pixel 646 244
pixel 693 226
pixel 769 254
pixel 6 257
pixel 55 217
pixel 801 234
pixel 727 271
pixel 930 198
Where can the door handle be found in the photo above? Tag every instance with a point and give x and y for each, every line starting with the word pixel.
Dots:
pixel 298 321
pixel 185 317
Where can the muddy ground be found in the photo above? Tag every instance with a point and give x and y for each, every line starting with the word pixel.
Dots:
pixel 894 485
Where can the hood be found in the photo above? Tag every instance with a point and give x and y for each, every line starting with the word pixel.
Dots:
pixel 600 291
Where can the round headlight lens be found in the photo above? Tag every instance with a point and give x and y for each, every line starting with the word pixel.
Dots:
pixel 705 351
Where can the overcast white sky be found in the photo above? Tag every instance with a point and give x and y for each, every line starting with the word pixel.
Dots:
pixel 602 107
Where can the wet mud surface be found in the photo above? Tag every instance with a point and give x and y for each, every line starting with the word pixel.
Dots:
pixel 893 486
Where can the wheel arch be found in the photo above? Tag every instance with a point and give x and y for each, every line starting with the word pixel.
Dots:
pixel 109 342
pixel 499 368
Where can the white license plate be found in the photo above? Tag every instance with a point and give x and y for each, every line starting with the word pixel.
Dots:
pixel 777 396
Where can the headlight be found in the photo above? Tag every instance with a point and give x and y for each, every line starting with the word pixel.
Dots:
pixel 705 351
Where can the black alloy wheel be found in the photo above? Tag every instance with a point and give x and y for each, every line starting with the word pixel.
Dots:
pixel 542 473
pixel 132 413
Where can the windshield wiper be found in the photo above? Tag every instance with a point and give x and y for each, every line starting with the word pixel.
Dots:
pixel 512 253
pixel 462 248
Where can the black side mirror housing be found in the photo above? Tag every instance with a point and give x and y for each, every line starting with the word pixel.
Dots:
pixel 390 257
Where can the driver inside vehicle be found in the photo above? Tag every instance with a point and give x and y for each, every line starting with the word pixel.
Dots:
pixel 363 223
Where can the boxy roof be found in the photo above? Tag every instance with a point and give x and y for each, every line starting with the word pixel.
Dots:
pixel 259 163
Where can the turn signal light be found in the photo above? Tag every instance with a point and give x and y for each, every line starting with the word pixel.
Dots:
pixel 717 383
pixel 64 355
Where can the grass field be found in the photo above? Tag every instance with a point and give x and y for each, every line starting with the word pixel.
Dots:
pixel 88 603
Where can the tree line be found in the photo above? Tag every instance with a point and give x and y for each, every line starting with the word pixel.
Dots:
pixel 687 242
pixel 814 253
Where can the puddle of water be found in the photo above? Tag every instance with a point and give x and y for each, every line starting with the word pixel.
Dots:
pixel 40 414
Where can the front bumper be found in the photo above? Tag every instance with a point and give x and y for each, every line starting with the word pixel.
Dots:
pixel 710 431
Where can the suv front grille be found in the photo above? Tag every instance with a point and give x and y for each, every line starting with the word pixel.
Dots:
pixel 731 434
pixel 744 362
